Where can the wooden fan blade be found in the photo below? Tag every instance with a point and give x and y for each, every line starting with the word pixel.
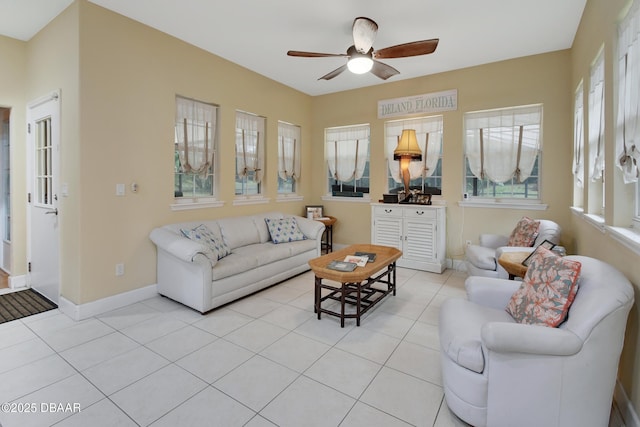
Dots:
pixel 422 47
pixel 313 54
pixel 334 73
pixel 382 70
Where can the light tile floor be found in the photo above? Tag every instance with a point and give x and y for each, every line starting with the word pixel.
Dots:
pixel 262 361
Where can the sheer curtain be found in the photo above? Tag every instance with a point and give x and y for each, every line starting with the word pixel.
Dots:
pixel 347 151
pixel 250 145
pixel 288 151
pixel 596 119
pixel 195 133
pixel 628 128
pixel 578 137
pixel 429 134
pixel 503 144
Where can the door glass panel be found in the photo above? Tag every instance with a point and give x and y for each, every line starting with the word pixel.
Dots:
pixel 44 172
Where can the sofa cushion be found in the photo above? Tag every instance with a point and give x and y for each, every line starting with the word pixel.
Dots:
pixel 547 291
pixel 481 257
pixel 284 230
pixel 239 231
pixel 261 224
pixel 235 263
pixel 215 242
pixel 525 232
pixel 460 331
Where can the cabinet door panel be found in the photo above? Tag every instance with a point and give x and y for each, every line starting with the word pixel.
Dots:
pixel 420 243
pixel 388 232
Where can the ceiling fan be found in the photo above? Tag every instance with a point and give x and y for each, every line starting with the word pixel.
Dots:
pixel 363 58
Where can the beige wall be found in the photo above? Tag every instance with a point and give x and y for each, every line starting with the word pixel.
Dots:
pixel 537 79
pixel 598 30
pixel 130 75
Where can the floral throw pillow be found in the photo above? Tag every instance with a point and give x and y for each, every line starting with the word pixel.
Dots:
pixel 204 235
pixel 283 230
pixel 525 232
pixel 547 290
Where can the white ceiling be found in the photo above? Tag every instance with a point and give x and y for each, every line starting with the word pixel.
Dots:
pixel 257 33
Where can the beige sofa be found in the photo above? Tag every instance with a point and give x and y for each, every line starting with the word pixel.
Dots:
pixel 186 274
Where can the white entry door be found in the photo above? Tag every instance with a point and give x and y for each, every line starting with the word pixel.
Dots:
pixel 42 211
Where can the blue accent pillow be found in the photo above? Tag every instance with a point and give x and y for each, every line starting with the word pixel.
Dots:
pixel 203 234
pixel 283 230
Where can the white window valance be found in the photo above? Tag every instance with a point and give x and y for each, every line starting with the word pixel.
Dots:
pixel 628 126
pixel 429 135
pixel 250 145
pixel 578 136
pixel 596 119
pixel 288 151
pixel 195 134
pixel 347 151
pixel 503 144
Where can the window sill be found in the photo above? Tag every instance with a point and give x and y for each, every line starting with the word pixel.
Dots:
pixel 596 221
pixel 289 198
pixel 185 205
pixel 330 198
pixel 627 237
pixel 259 200
pixel 499 204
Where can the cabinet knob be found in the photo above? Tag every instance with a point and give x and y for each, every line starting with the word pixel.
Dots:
pixel 388 210
pixel 420 212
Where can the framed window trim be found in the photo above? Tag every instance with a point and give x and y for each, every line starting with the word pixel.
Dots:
pixel 250 158
pixel 200 201
pixel 532 203
pixel 356 132
pixel 289 159
pixel 426 127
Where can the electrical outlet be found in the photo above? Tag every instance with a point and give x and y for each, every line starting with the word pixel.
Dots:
pixel 468 243
pixel 120 269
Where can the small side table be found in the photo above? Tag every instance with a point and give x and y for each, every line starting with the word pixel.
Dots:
pixel 512 262
pixel 328 222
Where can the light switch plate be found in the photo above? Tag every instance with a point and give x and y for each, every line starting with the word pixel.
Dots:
pixel 119 189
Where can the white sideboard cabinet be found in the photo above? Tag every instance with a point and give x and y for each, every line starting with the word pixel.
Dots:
pixel 419 231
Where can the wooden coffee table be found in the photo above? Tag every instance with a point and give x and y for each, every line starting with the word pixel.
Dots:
pixel 355 287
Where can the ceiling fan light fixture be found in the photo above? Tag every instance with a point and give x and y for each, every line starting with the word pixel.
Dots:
pixel 360 64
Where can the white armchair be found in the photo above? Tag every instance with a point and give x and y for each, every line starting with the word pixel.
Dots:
pixel 497 372
pixel 482 259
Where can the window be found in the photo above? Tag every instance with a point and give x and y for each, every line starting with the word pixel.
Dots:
pixel 288 157
pixel 502 150
pixel 426 174
pixel 249 154
pixel 347 156
pixel 578 137
pixel 596 135
pixel 195 149
pixel 628 112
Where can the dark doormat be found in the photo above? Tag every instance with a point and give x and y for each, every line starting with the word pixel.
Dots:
pixel 16 305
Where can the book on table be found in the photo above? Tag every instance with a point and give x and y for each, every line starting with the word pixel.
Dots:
pixel 360 261
pixel 370 255
pixel 342 266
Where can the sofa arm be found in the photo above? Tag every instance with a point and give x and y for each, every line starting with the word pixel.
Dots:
pixel 181 247
pixel 489 291
pixel 529 339
pixel 310 228
pixel 493 240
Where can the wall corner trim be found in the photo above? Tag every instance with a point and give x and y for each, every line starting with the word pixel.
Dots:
pixel 627 412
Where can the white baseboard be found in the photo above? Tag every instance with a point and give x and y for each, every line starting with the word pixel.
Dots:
pixel 18 282
pixel 456 264
pixel 627 412
pixel 94 308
